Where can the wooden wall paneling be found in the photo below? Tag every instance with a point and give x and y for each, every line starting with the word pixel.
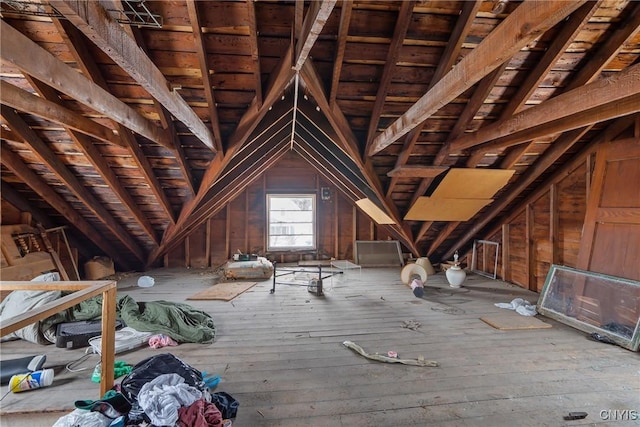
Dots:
pixel 256 218
pixel 611 237
pixel 187 251
pixel 354 228
pixel 237 225
pixel 529 258
pixel 541 242
pixel 247 224
pixel 207 242
pixel 506 265
pixel 336 227
pixel 517 252
pixel 176 256
pixel 197 255
pixel 227 235
pixel 553 223
pixel 571 209
pixel 218 238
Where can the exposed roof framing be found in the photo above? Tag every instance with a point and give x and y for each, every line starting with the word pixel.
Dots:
pixel 132 136
pixel 98 25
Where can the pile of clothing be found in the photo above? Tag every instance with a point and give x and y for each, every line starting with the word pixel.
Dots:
pixel 162 390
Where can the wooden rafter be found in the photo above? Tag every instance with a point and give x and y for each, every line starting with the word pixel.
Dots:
pixel 526 22
pixel 255 53
pixel 345 19
pixel 107 34
pixel 55 165
pixel 201 51
pixel 17 166
pixel 566 34
pixel 317 16
pixel 26 102
pixel 603 55
pixel 214 203
pixel 78 48
pixel 417 171
pixel 251 118
pixel 399 33
pixel 168 125
pixel 601 100
pixel 608 49
pixel 94 156
pixel 549 157
pixel 449 56
pixel 34 60
pixel 349 143
pixel 476 101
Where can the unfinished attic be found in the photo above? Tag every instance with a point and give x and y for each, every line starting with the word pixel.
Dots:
pixel 362 153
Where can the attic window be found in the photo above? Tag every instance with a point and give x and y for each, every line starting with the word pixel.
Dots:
pixel 291 222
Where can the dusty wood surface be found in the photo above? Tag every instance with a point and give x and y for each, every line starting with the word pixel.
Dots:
pixel 281 356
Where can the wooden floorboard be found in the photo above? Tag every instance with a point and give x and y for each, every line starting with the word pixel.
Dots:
pixel 282 356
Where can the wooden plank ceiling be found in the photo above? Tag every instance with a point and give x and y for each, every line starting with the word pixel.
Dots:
pixel 136 120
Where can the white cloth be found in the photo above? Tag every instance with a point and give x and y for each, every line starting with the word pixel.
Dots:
pixel 520 306
pixel 163 396
pixel 83 418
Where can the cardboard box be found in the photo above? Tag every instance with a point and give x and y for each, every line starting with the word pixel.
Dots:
pixel 98 268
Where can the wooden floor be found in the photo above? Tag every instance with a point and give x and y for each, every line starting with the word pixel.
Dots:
pixel 281 355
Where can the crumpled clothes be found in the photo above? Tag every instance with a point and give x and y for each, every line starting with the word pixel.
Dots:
pixel 520 306
pixel 200 414
pixel 161 340
pixel 83 418
pixel 162 397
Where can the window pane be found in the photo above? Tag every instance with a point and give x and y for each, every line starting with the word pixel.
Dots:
pixel 291 221
pixel 291 216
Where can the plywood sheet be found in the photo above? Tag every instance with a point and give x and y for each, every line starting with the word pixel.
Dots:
pixel 376 214
pixel 460 183
pixel 432 209
pixel 513 321
pixel 223 291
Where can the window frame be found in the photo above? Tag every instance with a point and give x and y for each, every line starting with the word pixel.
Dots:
pixel 314 237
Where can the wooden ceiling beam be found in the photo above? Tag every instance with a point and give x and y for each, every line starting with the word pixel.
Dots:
pixel 341 45
pixel 27 55
pixel 250 120
pixel 76 42
pixel 417 171
pixel 594 102
pixel 349 143
pixel 399 33
pixel 60 170
pixel 26 102
pixel 565 37
pixel 13 162
pixel 549 157
pixel 201 51
pixel 558 46
pixel 214 203
pixel 528 21
pixel 609 48
pixel 95 157
pixel 450 55
pixel 317 16
pixel 255 51
pixel 107 34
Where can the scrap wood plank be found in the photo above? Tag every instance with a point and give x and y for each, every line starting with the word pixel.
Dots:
pixel 223 291
pixel 513 321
